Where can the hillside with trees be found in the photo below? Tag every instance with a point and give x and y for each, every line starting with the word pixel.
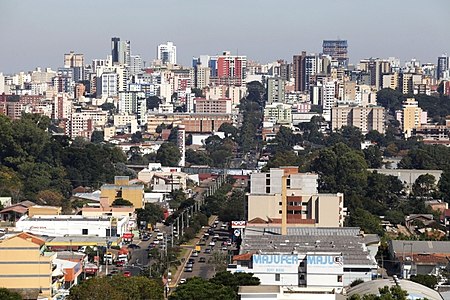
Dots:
pixel 38 166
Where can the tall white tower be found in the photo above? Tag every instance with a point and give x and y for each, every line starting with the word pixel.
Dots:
pixel 181 142
pixel 167 53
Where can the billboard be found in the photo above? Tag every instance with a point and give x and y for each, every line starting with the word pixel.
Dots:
pixel 275 263
pixel 238 224
pixel 325 264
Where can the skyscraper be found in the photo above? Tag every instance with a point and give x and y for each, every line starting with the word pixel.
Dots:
pixel 120 51
pixel 167 53
pixel 442 66
pixel 298 66
pixel 337 49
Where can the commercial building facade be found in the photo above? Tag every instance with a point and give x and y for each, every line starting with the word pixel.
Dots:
pixel 25 267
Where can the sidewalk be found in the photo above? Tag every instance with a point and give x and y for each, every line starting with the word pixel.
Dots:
pixel 190 246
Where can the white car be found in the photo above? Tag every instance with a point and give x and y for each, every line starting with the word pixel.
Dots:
pixel 212 244
pixel 156 242
pixel 182 280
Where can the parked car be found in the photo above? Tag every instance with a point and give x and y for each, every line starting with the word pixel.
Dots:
pixel 182 280
pixel 195 254
pixel 189 265
pixel 207 250
pixel 212 244
pixel 188 270
pixel 127 274
pixel 202 259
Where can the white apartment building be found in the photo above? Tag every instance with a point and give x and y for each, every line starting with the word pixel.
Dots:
pixel 328 98
pixel 107 85
pixel 133 103
pixel 167 53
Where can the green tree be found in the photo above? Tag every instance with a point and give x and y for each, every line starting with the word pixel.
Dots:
pixel 385 293
pixel 219 261
pixel 168 154
pixel 229 130
pixel 234 280
pixel 373 156
pixel 121 202
pixel 197 287
pixel 117 288
pixel 97 136
pixel 6 294
pixel 110 107
pixel 50 197
pixel 198 157
pixel 390 99
pixel 427 280
pixel 366 221
pixel 150 214
pixel 424 185
pixel 153 102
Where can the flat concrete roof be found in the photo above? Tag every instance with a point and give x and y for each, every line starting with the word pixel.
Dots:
pixel 352 247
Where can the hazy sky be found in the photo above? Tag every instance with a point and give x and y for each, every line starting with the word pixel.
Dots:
pixel 39 32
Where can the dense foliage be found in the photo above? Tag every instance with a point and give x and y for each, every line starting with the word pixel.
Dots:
pixel 117 288
pixel 32 160
pixel 224 285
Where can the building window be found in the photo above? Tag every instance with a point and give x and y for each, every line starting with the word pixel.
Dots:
pixel 339 278
pixel 277 277
pixel 280 203
pixel 268 181
pixel 280 212
pixel 84 231
pixel 268 189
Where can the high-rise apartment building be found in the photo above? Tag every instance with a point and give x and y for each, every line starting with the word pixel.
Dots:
pixel 120 51
pixel 167 53
pixel 275 90
pixel 337 49
pixel 136 65
pixel 298 69
pixel 366 118
pixel 76 63
pixel 443 66
pixel 411 116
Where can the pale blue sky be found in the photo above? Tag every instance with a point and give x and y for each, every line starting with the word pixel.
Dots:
pixel 39 32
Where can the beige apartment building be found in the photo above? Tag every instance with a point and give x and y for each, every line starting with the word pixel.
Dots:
pixel 318 210
pixel 198 122
pixel 25 267
pixel 213 106
pixel 270 200
pixel 366 118
pixel 411 116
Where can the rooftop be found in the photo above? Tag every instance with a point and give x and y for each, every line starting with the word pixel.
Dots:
pixel 420 247
pixel 353 247
pixel 415 290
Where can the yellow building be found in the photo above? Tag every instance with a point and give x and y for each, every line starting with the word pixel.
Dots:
pixel 43 210
pixel 123 189
pixel 24 267
pixel 411 117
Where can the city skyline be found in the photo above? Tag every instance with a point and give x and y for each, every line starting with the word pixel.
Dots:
pixel 264 31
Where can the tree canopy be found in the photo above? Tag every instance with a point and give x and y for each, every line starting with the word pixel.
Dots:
pixel 117 288
pixel 168 155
